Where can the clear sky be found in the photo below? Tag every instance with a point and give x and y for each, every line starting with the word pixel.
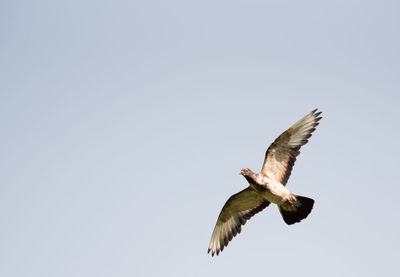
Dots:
pixel 124 125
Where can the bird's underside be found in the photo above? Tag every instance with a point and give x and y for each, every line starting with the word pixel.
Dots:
pixel 268 186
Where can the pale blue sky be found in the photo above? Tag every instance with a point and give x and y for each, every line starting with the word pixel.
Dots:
pixel 125 125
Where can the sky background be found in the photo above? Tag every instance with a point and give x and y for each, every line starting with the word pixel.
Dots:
pixel 124 125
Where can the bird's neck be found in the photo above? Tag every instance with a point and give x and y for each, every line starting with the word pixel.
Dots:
pixel 251 177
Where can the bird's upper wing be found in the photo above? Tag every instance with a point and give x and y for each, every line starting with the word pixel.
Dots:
pixel 281 155
pixel 237 210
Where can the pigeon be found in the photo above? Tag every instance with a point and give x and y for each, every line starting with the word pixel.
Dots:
pixel 268 186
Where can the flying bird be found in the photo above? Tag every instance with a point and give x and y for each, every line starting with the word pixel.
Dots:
pixel 268 186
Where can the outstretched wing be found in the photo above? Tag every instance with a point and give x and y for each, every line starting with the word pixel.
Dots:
pixel 237 210
pixel 281 155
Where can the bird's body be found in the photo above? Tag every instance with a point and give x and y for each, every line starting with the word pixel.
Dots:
pixel 271 190
pixel 268 186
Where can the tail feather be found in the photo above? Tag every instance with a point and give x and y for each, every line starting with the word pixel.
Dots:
pixel 297 212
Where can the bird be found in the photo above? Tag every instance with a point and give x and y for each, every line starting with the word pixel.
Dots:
pixel 268 186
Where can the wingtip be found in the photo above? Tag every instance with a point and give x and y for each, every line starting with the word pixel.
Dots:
pixel 213 252
pixel 316 112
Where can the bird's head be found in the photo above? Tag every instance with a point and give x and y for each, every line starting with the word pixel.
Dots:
pixel 245 172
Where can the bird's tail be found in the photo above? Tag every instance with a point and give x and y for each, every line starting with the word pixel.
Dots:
pixel 297 211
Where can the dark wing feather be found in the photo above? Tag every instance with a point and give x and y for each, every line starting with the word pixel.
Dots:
pixel 237 210
pixel 281 155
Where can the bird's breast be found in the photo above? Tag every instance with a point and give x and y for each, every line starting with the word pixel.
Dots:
pixel 274 191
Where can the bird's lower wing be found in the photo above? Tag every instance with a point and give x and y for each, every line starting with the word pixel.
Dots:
pixel 237 210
